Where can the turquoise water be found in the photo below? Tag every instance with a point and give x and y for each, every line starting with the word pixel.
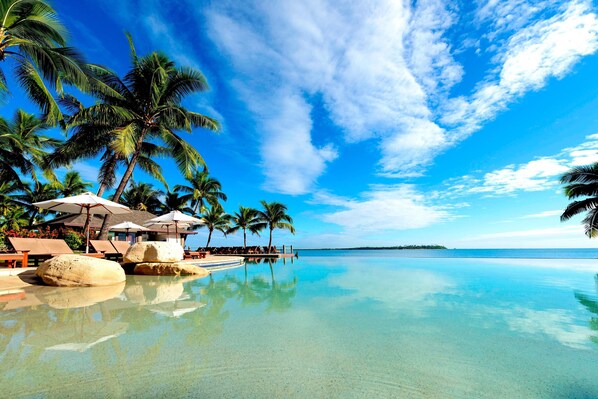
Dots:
pixel 533 253
pixel 325 326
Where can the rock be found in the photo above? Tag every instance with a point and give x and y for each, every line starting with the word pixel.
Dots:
pixel 170 269
pixel 154 251
pixel 80 271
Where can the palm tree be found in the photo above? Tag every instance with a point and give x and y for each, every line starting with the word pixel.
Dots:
pixel 145 107
pixel 23 147
pixel 15 219
pixel 215 219
pixel 88 140
pixel 274 216
pixel 142 197
pixel 35 193
pixel 582 181
pixel 7 200
pixel 72 184
pixel 174 202
pixel 33 38
pixel 245 219
pixel 202 190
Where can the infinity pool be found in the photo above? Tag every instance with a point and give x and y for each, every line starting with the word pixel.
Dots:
pixel 320 326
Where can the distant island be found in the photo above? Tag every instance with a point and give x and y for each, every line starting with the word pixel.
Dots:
pixel 398 247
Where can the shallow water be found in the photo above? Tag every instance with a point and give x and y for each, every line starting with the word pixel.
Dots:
pixel 321 326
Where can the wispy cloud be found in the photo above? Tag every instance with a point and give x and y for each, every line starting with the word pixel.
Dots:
pixel 541 50
pixel 384 71
pixel 536 175
pixel 384 208
pixel 544 214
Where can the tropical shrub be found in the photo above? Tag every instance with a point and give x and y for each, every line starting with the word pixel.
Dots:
pixel 74 239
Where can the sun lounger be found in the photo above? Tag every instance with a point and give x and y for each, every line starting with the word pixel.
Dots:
pixel 43 248
pixel 121 246
pixel 105 247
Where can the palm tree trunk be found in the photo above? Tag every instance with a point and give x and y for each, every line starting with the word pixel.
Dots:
pixel 244 239
pixel 270 242
pixel 123 183
pixel 209 238
pixel 32 218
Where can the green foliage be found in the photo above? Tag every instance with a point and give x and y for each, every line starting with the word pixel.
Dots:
pixel 215 219
pixel 142 197
pixel 274 216
pixel 23 148
pixel 582 181
pixel 245 219
pixel 72 184
pixel 174 202
pixel 33 37
pixel 74 239
pixel 202 190
pixel 399 247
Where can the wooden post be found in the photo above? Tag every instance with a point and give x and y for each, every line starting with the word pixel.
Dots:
pixel 25 261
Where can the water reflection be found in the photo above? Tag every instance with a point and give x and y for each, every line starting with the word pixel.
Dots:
pixel 591 304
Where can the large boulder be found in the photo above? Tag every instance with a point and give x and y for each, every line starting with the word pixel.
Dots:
pixel 80 271
pixel 154 251
pixel 170 269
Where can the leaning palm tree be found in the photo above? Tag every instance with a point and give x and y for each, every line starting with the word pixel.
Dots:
pixel 215 219
pixel 34 40
pixel 142 197
pixel 245 219
pixel 582 181
pixel 202 190
pixel 23 147
pixel 274 216
pixel 146 107
pixel 72 184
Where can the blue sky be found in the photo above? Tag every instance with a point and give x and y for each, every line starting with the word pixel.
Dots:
pixel 379 122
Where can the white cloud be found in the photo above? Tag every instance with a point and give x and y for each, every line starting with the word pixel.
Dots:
pixel 544 214
pixel 384 70
pixel 384 208
pixel 537 175
pixel 543 49
pixel 284 148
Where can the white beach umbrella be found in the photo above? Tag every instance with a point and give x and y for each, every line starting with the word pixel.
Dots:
pixel 167 225
pixel 176 219
pixel 127 227
pixel 87 203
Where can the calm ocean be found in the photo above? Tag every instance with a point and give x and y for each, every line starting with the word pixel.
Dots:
pixel 541 253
